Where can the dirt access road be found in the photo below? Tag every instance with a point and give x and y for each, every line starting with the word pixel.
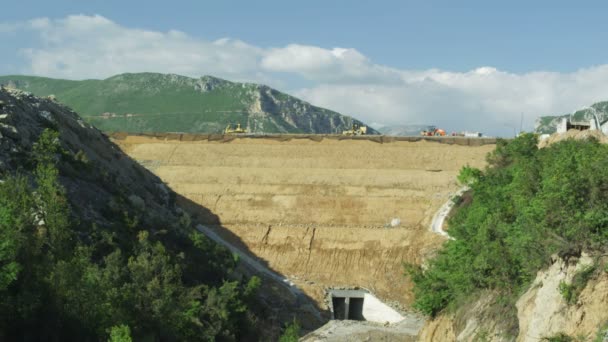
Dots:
pixel 317 210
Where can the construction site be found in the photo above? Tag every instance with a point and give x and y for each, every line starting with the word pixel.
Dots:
pixel 324 212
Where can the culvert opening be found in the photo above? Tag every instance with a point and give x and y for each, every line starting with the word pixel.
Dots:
pixel 360 305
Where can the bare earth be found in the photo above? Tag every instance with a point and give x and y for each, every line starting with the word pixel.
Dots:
pixel 318 212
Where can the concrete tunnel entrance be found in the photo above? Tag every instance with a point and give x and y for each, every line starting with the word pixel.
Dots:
pixel 348 308
pixel 360 305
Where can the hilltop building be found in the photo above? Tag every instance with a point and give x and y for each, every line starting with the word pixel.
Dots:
pixel 592 125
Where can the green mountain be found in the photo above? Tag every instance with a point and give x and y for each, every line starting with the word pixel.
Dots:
pixel 150 102
pixel 548 124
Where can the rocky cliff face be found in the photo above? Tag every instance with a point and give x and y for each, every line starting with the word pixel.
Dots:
pixel 150 102
pixel 542 312
pixel 289 114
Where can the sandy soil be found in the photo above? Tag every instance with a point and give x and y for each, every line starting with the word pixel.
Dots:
pixel 318 212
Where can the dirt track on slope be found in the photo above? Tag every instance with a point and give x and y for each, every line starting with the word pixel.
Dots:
pixel 318 210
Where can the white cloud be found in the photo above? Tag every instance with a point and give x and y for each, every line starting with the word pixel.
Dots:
pixel 484 99
pixel 341 79
pixel 337 65
pixel 94 47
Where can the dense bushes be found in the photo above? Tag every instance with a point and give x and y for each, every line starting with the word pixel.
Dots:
pixel 60 282
pixel 527 204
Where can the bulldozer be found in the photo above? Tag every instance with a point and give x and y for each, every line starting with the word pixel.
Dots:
pixel 433 131
pixel 236 130
pixel 356 130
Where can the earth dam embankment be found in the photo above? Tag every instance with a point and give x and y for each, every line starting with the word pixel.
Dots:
pixel 324 211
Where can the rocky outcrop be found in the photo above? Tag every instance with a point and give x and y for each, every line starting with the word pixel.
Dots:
pixel 94 171
pixel 290 114
pixel 542 312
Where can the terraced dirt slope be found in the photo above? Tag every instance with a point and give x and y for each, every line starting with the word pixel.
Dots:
pixel 318 208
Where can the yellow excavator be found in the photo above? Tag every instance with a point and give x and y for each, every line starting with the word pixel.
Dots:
pixel 236 130
pixel 356 130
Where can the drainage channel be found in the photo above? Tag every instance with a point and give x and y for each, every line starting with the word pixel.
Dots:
pixel 360 305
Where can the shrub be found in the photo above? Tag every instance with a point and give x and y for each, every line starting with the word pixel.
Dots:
pixel 120 333
pixel 468 175
pixel 291 333
pixel 570 292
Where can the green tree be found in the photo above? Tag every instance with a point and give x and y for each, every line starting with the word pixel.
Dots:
pixel 53 210
pixel 15 201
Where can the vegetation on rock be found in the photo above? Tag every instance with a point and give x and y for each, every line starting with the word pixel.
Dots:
pixel 571 291
pixel 528 204
pixel 63 278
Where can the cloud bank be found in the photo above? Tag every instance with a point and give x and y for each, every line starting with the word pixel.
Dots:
pixel 343 79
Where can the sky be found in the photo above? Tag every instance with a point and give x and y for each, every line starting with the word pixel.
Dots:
pixel 460 65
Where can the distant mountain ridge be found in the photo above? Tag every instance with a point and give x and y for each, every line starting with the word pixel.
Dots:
pixel 548 124
pixel 152 102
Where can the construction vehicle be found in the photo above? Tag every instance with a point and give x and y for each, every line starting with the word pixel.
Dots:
pixel 236 130
pixel 433 131
pixel 356 130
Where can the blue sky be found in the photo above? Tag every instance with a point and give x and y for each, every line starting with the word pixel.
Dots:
pixel 461 64
pixel 514 36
